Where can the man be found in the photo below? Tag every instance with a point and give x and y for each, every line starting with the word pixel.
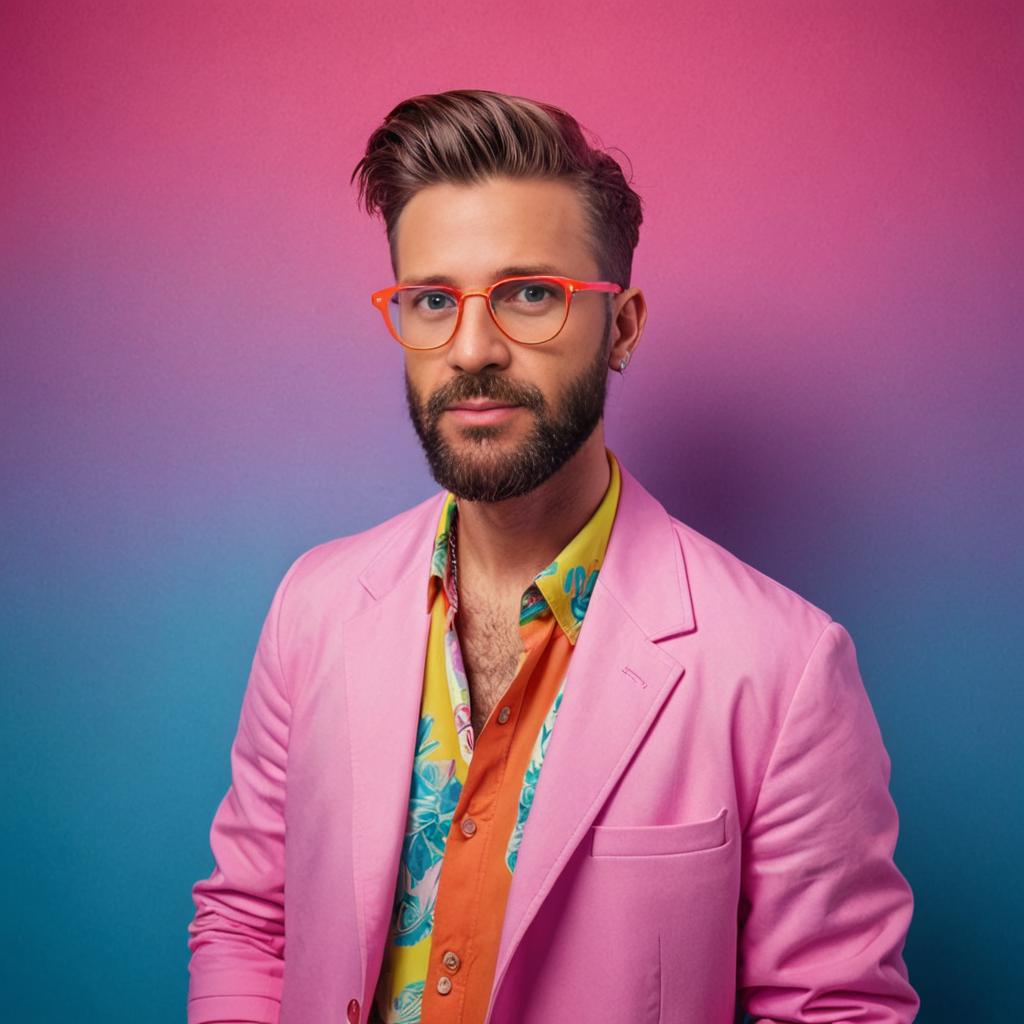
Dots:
pixel 533 750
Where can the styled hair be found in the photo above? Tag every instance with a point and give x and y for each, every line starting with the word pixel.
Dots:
pixel 468 135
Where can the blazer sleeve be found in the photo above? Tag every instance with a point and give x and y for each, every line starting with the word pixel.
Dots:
pixel 824 911
pixel 236 936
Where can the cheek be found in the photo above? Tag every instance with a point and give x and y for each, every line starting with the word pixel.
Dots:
pixel 418 381
pixel 545 373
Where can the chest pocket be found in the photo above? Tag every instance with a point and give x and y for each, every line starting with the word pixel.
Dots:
pixel 658 840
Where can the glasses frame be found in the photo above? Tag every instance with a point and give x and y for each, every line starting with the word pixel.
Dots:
pixel 381 299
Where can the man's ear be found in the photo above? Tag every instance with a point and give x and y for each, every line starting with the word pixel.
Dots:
pixel 629 315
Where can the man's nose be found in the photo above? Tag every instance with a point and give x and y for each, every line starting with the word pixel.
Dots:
pixel 478 344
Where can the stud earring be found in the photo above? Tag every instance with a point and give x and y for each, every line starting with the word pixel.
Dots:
pixel 623 361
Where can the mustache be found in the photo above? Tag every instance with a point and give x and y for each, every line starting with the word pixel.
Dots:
pixel 491 386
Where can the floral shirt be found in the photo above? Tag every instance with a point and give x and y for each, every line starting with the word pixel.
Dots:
pixel 470 796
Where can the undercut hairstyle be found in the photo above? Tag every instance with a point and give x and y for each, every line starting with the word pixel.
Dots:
pixel 469 135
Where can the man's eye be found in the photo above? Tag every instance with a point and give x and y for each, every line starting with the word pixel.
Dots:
pixel 532 294
pixel 433 301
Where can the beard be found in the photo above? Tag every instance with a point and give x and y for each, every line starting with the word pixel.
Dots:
pixel 479 470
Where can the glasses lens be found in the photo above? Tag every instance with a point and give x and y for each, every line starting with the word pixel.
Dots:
pixel 531 311
pixel 423 317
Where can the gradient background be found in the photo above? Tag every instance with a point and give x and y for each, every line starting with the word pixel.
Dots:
pixel 196 389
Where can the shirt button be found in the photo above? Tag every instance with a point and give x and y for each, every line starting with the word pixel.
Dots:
pixel 353 1011
pixel 451 961
pixel 444 985
pixel 468 826
pixel 503 714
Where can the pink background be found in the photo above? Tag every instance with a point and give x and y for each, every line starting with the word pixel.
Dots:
pixel 196 389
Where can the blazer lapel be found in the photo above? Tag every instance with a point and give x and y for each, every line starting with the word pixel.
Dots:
pixel 384 651
pixel 618 680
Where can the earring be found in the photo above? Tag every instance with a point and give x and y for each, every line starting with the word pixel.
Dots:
pixel 623 361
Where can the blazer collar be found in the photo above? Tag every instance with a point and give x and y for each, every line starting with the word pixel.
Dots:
pixel 644 567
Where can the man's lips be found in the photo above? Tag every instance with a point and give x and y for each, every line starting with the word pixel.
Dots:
pixel 482 411
pixel 480 404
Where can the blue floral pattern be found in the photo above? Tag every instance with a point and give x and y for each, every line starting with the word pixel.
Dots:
pixel 433 798
pixel 579 586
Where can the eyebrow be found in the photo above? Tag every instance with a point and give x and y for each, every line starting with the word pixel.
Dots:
pixel 531 270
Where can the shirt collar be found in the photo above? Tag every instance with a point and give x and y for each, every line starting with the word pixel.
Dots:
pixel 564 586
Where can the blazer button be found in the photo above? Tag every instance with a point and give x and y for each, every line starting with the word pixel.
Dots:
pixel 353 1011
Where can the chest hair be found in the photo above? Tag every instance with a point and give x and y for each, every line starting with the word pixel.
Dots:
pixel 489 637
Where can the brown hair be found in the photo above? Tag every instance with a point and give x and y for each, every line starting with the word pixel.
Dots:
pixel 467 135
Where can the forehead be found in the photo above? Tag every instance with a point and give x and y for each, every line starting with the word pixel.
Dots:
pixel 468 232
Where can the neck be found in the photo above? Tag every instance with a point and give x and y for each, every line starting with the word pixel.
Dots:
pixel 509 542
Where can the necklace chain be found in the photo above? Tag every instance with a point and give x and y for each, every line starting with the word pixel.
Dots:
pixel 452 547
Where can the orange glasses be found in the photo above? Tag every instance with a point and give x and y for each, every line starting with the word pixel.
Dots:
pixel 529 310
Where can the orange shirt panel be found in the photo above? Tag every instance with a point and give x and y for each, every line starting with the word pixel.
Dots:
pixel 475 878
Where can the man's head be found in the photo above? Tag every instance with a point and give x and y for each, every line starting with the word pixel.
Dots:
pixel 474 186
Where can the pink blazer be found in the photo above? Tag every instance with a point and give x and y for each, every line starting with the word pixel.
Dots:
pixel 712 828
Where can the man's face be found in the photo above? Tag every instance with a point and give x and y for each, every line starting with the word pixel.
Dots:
pixel 552 394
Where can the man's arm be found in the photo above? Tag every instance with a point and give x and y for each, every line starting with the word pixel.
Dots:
pixel 237 934
pixel 824 910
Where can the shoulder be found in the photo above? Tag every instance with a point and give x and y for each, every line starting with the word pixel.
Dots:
pixel 740 608
pixel 731 606
pixel 328 578
pixel 757 640
pixel 725 577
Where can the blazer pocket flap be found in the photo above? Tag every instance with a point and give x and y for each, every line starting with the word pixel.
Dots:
pixel 657 840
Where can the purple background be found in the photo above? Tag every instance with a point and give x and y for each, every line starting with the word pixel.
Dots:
pixel 196 389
